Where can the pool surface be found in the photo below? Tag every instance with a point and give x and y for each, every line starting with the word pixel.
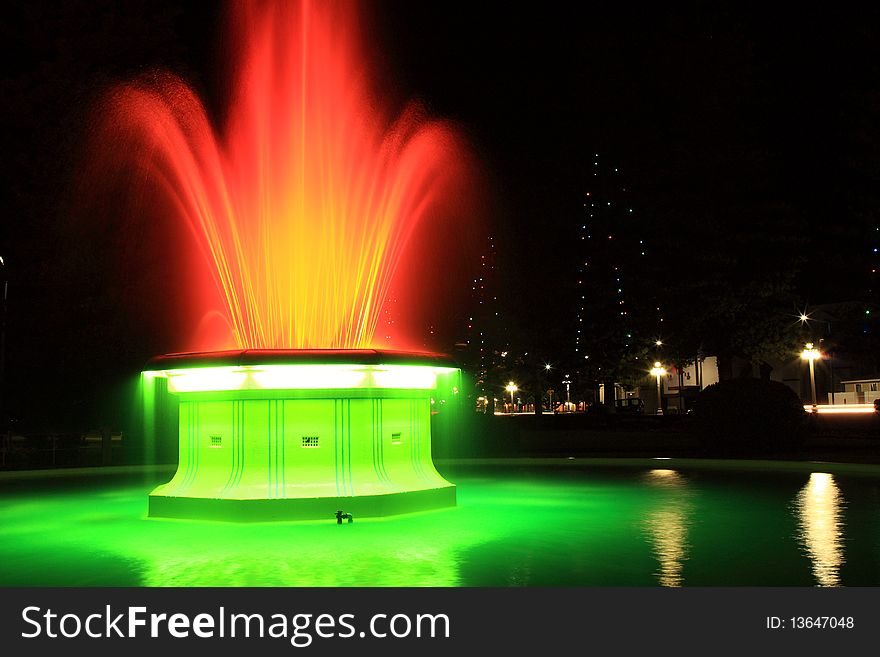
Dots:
pixel 584 522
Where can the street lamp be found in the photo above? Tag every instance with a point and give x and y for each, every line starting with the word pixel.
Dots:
pixel 511 388
pixel 806 319
pixel 658 370
pixel 547 368
pixel 810 353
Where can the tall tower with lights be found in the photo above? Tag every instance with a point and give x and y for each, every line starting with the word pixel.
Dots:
pixel 483 338
pixel 617 315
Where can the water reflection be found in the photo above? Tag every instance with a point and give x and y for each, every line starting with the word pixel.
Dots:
pixel 421 565
pixel 666 524
pixel 819 510
pixel 368 553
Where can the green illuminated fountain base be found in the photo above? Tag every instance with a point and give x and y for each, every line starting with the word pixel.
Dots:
pixel 267 436
pixel 318 508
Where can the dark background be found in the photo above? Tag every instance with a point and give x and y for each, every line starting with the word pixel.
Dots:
pixel 733 126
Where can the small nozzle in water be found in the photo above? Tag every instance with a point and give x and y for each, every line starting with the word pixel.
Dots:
pixel 340 516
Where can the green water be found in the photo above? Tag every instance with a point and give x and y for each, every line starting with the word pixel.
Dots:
pixel 663 523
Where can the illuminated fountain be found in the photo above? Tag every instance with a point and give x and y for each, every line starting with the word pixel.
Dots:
pixel 302 213
pixel 267 435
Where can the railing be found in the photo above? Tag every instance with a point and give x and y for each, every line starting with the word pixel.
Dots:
pixel 58 450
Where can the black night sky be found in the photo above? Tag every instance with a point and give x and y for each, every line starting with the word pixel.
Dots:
pixel 728 124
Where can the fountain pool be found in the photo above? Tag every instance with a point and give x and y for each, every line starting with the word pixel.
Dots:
pixel 550 522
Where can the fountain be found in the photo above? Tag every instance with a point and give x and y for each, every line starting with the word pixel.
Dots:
pixel 303 434
pixel 292 403
pixel 302 214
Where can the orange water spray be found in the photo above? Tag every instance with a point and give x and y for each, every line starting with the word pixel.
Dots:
pixel 302 205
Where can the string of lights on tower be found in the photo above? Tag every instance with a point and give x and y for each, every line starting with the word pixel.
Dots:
pixel 612 253
pixel 483 320
pixel 873 266
pixel 874 261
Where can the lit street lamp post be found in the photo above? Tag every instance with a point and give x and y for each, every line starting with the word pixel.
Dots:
pixel 658 371
pixel 810 354
pixel 806 319
pixel 511 388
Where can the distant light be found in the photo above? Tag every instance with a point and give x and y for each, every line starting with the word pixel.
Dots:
pixel 659 343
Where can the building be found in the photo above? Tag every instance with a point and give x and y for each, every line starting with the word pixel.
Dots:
pixel 857 391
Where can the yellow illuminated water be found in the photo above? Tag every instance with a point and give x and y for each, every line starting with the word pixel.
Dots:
pixel 819 506
pixel 667 524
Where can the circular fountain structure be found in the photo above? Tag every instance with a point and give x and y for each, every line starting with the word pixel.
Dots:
pixel 301 434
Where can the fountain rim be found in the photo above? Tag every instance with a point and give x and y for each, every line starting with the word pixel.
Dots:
pixel 252 357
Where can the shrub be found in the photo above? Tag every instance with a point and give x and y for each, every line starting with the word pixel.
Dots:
pixel 749 416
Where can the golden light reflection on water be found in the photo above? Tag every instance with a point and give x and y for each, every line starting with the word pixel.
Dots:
pixel 666 524
pixel 818 507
